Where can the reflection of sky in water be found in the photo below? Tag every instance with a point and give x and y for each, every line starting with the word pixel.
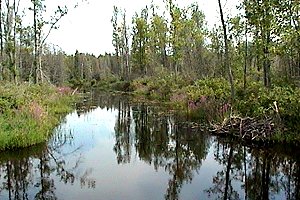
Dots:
pixel 89 155
pixel 90 128
pixel 94 133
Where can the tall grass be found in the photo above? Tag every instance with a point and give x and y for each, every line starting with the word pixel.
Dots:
pixel 29 113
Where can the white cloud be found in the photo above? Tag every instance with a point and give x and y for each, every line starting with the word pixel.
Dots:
pixel 88 27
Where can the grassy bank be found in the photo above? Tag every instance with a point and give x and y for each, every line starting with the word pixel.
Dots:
pixel 29 113
pixel 208 101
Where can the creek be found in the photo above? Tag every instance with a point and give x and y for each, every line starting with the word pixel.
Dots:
pixel 113 148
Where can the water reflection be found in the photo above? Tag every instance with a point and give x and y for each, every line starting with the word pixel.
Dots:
pixel 31 173
pixel 27 174
pixel 111 148
pixel 259 173
pixel 16 169
pixel 161 141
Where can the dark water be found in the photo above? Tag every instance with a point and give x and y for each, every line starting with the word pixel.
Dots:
pixel 111 148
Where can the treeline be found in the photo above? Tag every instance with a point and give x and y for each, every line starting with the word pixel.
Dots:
pixel 263 41
pixel 25 54
pixel 248 65
pixel 22 47
pixel 173 41
pixel 263 44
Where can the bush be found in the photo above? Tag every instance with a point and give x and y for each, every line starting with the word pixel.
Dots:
pixel 217 89
pixel 260 101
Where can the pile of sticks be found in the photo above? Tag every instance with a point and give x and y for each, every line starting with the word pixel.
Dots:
pixel 246 128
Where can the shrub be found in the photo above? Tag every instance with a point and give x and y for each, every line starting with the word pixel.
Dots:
pixel 213 88
pixel 259 101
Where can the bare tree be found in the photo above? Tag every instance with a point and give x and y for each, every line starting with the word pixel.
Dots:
pixel 227 63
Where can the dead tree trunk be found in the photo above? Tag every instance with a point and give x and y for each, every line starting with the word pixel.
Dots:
pixel 227 64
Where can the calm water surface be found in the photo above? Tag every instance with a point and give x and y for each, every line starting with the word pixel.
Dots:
pixel 111 148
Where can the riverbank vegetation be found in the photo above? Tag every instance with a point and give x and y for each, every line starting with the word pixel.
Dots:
pixel 29 113
pixel 274 110
pixel 30 104
pixel 247 66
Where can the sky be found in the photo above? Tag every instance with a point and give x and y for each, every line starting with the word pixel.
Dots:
pixel 88 27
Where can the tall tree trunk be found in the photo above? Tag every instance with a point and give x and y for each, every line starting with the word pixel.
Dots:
pixel 257 61
pixel 266 37
pixel 1 42
pixel 267 63
pixel 246 58
pixel 40 71
pixel 1 30
pixel 125 53
pixel 9 42
pixel 35 61
pixel 227 64
pixel 126 43
pixel 20 54
pixel 15 68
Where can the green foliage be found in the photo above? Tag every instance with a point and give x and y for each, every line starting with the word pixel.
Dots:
pixel 108 83
pixel 203 99
pixel 217 88
pixel 140 42
pixel 29 113
pixel 169 53
pixel 259 101
pixel 161 87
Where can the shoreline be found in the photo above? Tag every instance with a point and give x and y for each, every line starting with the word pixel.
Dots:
pixel 29 113
pixel 210 98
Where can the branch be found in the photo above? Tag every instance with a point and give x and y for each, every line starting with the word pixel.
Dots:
pixel 52 27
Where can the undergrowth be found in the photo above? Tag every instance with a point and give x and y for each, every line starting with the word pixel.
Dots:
pixel 28 113
pixel 208 100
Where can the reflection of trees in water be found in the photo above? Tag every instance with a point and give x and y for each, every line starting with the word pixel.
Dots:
pixel 23 170
pixel 164 143
pixel 15 175
pixel 160 141
pixel 36 169
pixel 185 158
pixel 67 172
pixel 122 133
pixel 46 183
pixel 106 100
pixel 261 174
pixel 271 173
pixel 222 182
pixel 94 99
